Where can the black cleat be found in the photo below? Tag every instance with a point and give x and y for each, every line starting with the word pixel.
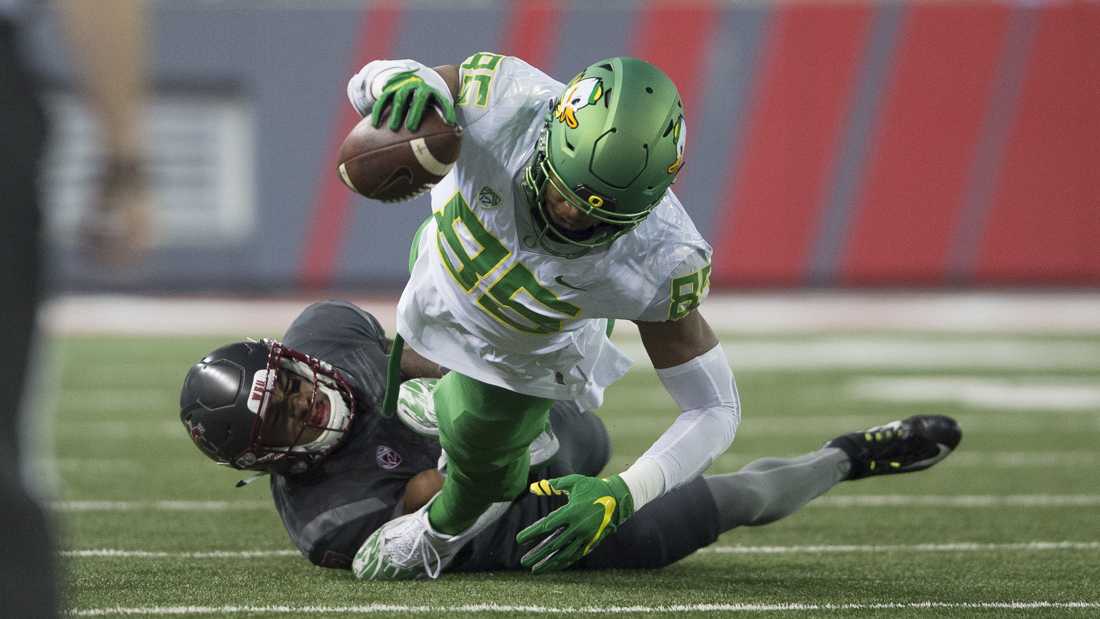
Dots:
pixel 912 444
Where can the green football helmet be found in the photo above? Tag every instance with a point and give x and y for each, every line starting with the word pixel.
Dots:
pixel 612 145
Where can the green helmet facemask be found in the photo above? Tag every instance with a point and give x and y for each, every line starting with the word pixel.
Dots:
pixel 612 146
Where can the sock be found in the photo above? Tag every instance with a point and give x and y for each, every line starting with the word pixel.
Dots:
pixel 451 513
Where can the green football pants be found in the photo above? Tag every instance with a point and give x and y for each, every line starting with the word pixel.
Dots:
pixel 486 432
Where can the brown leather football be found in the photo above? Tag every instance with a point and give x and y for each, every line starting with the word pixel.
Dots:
pixel 397 165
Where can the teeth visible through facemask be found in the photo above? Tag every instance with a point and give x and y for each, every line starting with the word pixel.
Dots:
pixel 319 416
pixel 337 419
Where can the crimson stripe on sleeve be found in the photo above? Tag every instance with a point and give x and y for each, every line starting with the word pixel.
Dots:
pixel 1044 224
pixel 325 234
pixel 930 122
pixel 532 32
pixel 794 124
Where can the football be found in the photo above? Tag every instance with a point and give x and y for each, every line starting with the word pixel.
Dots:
pixel 391 166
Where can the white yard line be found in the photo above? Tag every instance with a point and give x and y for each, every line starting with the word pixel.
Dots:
pixel 826 352
pixel 159 506
pixel 995 312
pixel 842 501
pixel 569 610
pixel 150 315
pixel 963 501
pixel 849 548
pixel 115 553
pixel 995 393
pixel 1024 459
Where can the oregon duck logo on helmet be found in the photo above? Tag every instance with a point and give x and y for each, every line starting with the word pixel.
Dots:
pixel 680 133
pixel 580 94
pixel 611 146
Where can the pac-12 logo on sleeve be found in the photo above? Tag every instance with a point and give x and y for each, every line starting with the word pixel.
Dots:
pixel 387 458
pixel 489 198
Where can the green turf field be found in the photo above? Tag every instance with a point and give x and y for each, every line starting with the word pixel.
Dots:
pixel 149 527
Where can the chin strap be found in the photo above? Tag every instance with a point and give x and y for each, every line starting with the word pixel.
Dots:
pixel 244 482
pixel 540 222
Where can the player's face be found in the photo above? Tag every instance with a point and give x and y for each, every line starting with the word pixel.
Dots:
pixel 290 420
pixel 563 214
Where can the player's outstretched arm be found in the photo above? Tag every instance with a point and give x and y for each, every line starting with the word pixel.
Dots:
pixel 401 90
pixel 693 367
pixel 694 370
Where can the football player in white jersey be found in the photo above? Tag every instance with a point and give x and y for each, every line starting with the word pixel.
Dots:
pixel 556 219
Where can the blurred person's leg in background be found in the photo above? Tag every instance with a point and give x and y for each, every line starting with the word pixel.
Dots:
pixel 27 581
pixel 107 42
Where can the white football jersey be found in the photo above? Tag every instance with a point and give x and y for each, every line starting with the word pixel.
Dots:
pixel 487 300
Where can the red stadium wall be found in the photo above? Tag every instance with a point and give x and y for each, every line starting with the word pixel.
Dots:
pixel 980 162
pixel 858 143
pixel 928 144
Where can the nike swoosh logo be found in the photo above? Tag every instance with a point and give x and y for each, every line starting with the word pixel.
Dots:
pixel 567 285
pixel 608 503
pixel 943 451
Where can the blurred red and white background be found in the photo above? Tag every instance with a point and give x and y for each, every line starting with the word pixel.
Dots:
pixel 942 144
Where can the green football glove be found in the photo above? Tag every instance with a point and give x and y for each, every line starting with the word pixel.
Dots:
pixel 595 509
pixel 398 92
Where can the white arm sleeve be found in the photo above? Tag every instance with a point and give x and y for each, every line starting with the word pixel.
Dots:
pixel 705 390
pixel 365 87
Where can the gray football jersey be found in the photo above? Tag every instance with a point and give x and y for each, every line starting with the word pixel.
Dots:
pixel 330 510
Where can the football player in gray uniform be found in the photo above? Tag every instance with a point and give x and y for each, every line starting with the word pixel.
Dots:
pixel 306 410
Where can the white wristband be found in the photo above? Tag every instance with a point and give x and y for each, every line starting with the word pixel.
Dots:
pixel 646 481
